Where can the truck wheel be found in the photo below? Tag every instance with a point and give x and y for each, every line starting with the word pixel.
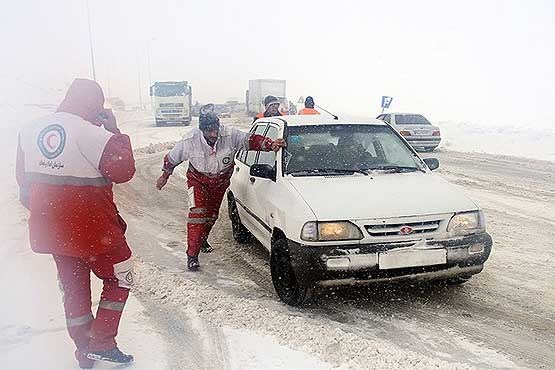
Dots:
pixel 288 288
pixel 240 232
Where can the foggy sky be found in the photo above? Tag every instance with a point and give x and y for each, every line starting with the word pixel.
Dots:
pixel 490 62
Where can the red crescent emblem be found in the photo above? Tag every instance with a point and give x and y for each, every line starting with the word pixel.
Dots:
pixel 49 142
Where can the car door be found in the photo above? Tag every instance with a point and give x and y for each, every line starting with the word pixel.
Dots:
pixel 259 192
pixel 241 178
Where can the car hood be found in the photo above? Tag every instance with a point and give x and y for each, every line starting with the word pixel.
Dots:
pixel 382 195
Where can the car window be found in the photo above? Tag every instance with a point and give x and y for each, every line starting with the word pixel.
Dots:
pixel 269 157
pixel 345 147
pixel 251 154
pixel 411 119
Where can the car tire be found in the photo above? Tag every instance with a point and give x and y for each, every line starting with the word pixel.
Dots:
pixel 289 289
pixel 240 233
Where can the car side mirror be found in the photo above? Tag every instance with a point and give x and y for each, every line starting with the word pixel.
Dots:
pixel 264 171
pixel 432 163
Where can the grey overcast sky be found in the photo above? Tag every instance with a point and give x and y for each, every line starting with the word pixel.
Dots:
pixel 490 62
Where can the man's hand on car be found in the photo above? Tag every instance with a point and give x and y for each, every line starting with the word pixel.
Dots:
pixel 278 144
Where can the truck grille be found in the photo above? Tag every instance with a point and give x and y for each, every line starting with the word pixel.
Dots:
pixel 167 105
pixel 170 111
pixel 404 229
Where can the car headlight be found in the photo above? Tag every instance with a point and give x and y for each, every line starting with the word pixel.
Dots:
pixel 330 231
pixel 467 223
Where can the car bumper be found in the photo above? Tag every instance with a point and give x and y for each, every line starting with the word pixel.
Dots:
pixel 355 264
pixel 424 142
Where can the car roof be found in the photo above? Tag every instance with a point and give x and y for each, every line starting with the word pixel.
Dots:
pixel 403 114
pixel 303 120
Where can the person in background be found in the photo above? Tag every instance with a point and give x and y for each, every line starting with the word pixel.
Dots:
pixel 66 165
pixel 292 109
pixel 309 106
pixel 210 150
pixel 271 104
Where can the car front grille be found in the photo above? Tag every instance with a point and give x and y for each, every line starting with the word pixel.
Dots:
pixel 402 229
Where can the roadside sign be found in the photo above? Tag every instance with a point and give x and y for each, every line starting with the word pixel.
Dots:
pixel 386 101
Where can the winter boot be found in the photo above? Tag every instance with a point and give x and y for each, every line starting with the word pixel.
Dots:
pixel 111 355
pixel 192 263
pixel 206 247
pixel 84 361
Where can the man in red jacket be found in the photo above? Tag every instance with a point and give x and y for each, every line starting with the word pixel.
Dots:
pixel 210 150
pixel 66 164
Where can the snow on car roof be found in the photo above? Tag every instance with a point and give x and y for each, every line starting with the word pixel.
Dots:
pixel 301 120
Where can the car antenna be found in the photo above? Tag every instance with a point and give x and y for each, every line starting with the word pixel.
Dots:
pixel 331 114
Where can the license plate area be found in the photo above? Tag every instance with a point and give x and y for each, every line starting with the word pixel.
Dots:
pixel 411 258
pixel 422 133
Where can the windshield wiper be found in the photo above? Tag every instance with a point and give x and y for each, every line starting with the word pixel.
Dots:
pixel 316 171
pixel 395 169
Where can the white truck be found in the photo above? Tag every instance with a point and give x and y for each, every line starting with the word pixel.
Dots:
pixel 172 102
pixel 259 89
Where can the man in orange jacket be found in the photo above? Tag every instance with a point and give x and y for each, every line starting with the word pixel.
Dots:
pixel 309 106
pixel 66 165
pixel 271 104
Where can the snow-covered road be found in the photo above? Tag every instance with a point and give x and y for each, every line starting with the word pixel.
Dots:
pixel 502 319
pixel 227 316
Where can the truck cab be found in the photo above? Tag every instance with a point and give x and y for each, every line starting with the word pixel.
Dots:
pixel 171 102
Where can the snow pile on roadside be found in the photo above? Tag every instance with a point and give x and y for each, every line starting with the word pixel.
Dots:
pixel 526 141
pixel 331 343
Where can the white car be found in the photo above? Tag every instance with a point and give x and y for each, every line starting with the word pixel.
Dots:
pixel 415 128
pixel 351 202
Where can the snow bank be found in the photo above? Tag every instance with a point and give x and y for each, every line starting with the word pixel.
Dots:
pixel 515 140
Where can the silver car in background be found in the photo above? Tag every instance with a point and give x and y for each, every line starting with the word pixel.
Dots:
pixel 415 128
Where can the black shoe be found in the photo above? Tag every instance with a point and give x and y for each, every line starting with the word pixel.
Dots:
pixel 206 247
pixel 111 355
pixel 192 263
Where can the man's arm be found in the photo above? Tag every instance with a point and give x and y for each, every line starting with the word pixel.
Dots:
pixel 246 140
pixel 117 163
pixel 174 158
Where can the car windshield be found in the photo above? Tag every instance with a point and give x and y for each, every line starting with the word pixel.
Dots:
pixel 411 119
pixel 346 148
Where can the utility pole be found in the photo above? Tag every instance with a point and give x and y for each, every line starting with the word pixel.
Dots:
pixel 148 60
pixel 139 80
pixel 90 40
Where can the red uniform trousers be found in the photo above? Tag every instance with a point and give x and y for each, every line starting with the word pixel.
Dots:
pixel 205 197
pixel 115 269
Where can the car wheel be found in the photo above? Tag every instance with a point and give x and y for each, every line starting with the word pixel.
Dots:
pixel 240 232
pixel 286 284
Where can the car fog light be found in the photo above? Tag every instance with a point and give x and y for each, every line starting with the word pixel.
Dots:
pixel 338 263
pixel 476 249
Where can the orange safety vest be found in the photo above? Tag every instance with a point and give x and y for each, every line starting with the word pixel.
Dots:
pixel 261 115
pixel 308 111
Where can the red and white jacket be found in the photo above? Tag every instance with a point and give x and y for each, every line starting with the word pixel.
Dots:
pixel 65 170
pixel 213 161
